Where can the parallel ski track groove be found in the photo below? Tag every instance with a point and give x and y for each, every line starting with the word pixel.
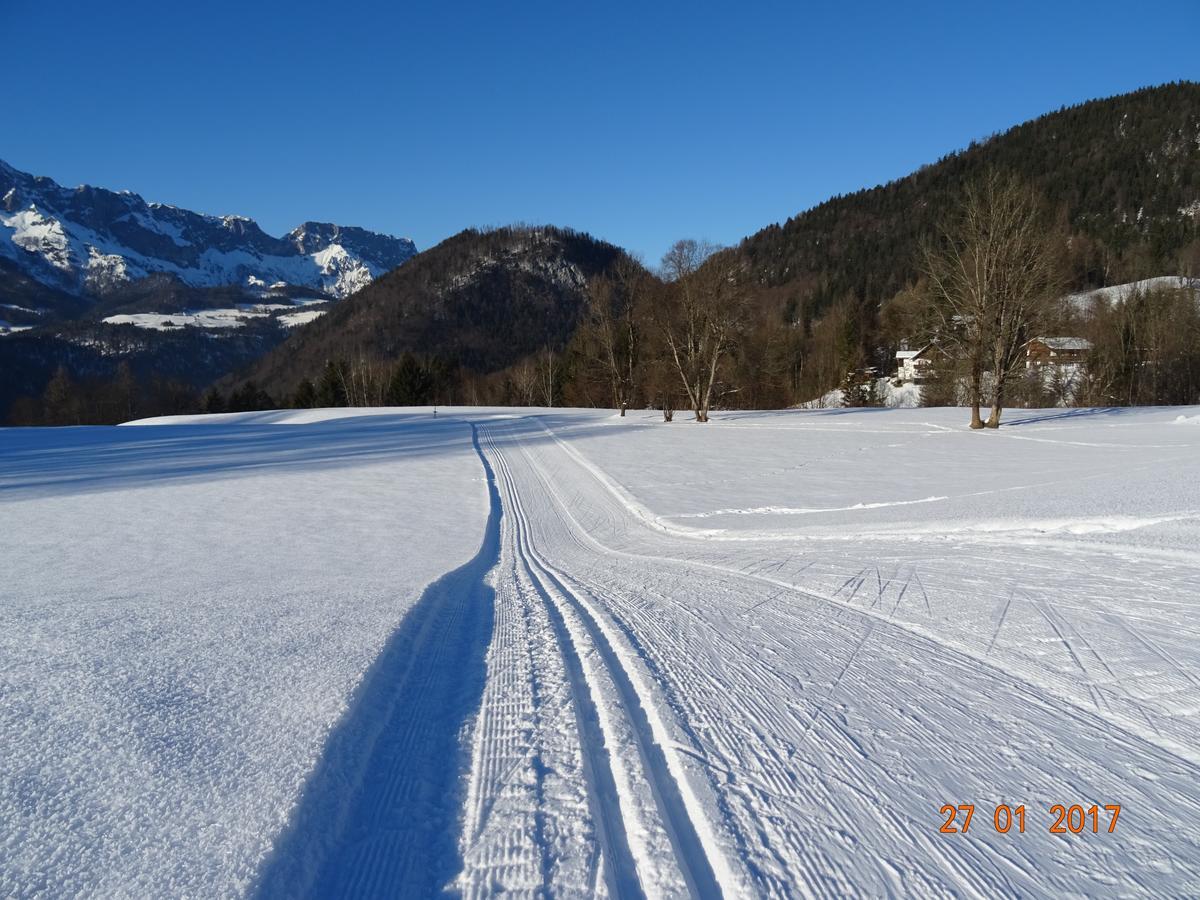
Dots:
pixel 620 869
pixel 959 653
pixel 690 852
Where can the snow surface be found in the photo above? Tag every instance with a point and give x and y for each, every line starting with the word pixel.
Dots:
pixel 1065 343
pixel 374 652
pixel 234 317
pixel 184 614
pixel 291 320
pixel 891 396
pixel 1117 292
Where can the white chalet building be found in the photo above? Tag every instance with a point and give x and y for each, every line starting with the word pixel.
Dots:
pixel 913 366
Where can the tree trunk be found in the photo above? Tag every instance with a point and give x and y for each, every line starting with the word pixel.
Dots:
pixel 999 376
pixel 976 390
pixel 710 378
pixel 997 405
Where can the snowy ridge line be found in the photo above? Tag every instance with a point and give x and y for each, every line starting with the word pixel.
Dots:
pixel 798 510
pixel 698 855
pixel 1030 680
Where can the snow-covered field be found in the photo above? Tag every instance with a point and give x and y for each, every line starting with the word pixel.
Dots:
pixel 233 317
pixel 380 653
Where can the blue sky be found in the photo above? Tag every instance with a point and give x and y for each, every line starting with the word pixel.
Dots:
pixel 640 123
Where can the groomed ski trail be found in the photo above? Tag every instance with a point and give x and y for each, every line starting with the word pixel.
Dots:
pixel 609 709
pixel 818 736
pixel 642 835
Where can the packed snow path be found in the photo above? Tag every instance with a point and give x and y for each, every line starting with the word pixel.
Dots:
pixel 757 658
pixel 799 734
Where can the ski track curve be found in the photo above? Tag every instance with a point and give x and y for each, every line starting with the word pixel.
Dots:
pixel 798 779
pixel 601 704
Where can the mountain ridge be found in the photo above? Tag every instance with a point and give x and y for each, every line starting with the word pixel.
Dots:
pixel 481 299
pixel 1122 172
pixel 89 241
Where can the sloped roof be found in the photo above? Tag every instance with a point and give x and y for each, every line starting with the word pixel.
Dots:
pixel 912 354
pixel 1065 343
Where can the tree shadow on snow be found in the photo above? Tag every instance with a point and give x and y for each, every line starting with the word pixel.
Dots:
pixel 1036 417
pixel 36 462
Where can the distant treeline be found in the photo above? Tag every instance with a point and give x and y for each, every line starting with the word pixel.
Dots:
pixel 103 401
pixel 1145 350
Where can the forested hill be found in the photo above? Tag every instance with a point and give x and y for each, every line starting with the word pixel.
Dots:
pixel 1123 174
pixel 481 300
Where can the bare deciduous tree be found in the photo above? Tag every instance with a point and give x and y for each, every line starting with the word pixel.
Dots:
pixel 547 370
pixel 699 316
pixel 525 380
pixel 614 326
pixel 992 277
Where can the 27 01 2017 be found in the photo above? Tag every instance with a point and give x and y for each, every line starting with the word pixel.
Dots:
pixel 1073 819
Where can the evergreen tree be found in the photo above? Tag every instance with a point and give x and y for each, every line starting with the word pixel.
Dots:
pixel 250 398
pixel 214 402
pixel 60 401
pixel 125 393
pixel 331 389
pixel 411 383
pixel 305 396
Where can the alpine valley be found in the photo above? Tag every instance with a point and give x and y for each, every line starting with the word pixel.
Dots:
pixel 98 287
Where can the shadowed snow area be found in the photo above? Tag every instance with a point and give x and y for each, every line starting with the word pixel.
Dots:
pixel 378 653
pixel 184 614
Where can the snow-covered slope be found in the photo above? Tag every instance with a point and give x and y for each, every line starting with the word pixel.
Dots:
pixel 217 319
pixel 1118 292
pixel 554 652
pixel 90 240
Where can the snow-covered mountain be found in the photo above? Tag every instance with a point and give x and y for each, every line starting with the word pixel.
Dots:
pixel 89 240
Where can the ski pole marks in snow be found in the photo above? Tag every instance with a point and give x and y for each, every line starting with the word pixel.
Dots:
pixel 804 727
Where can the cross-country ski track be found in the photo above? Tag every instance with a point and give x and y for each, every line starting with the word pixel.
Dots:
pixel 712 754
pixel 605 701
